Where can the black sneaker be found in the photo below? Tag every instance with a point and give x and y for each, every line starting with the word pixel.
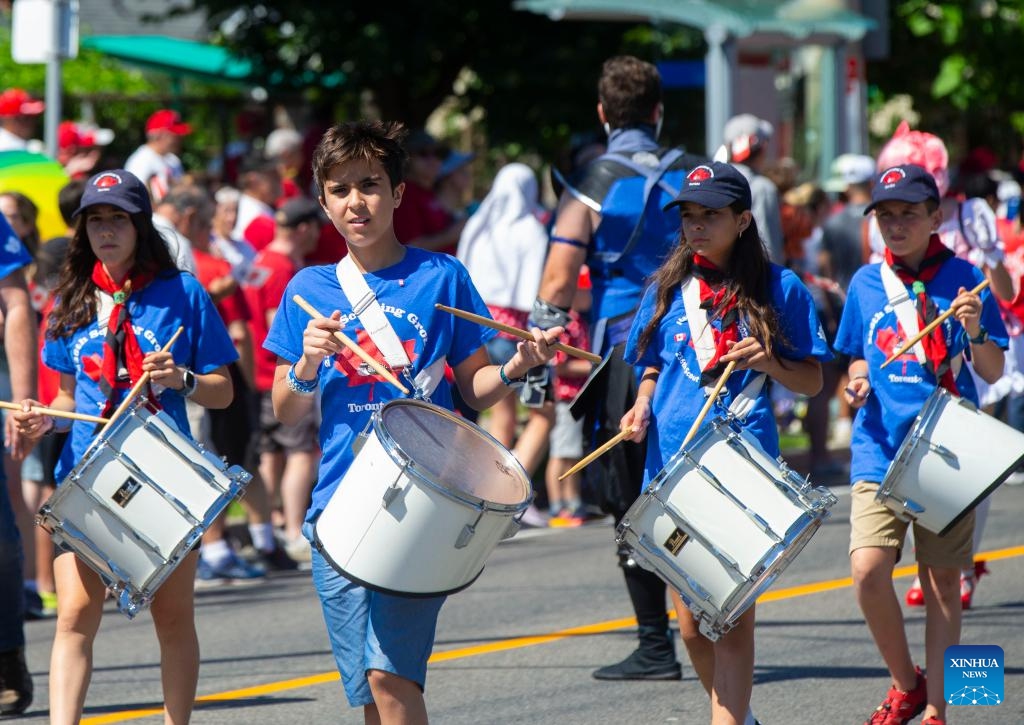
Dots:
pixel 277 560
pixel 33 605
pixel 15 683
pixel 640 666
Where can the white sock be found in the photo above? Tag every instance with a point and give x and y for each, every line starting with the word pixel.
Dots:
pixel 263 537
pixel 216 552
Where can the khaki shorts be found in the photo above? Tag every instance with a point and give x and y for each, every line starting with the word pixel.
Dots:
pixel 873 524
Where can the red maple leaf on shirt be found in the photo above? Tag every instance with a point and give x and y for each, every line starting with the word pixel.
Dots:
pixel 358 372
pixel 890 340
pixel 93 366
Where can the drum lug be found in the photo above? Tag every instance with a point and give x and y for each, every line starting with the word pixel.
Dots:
pixel 390 495
pixel 912 507
pixel 467 533
pixel 943 451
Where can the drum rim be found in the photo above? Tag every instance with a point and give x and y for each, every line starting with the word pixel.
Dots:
pixel 394 450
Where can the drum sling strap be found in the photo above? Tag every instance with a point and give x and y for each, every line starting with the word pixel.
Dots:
pixel 703 340
pixel 906 314
pixel 374 320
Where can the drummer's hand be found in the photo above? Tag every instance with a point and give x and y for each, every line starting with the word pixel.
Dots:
pixel 318 343
pixel 537 352
pixel 162 370
pixel 637 419
pixel 857 391
pixel 749 354
pixel 967 310
pixel 28 424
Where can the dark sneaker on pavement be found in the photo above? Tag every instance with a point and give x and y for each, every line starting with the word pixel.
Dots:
pixel 15 683
pixel 640 666
pixel 901 707
pixel 277 560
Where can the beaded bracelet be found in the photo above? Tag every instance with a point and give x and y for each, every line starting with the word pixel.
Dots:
pixel 302 387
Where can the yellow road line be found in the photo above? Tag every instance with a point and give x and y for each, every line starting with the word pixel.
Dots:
pixel 518 642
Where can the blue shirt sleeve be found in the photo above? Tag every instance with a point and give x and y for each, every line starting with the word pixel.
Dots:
pixel 13 255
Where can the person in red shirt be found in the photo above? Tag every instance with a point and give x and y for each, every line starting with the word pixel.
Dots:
pixel 421 220
pixel 288 454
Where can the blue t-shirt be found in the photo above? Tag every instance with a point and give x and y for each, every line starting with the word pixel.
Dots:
pixel 869 330
pixel 679 397
pixel 170 301
pixel 13 255
pixel 350 391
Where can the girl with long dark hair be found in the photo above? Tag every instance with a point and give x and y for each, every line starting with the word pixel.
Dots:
pixel 759 316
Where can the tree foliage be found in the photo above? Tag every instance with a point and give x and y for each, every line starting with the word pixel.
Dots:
pixel 535 78
pixel 961 62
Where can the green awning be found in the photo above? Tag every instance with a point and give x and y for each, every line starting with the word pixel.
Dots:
pixel 179 57
pixel 740 18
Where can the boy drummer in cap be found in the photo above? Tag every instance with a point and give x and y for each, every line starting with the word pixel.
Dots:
pixel 905 201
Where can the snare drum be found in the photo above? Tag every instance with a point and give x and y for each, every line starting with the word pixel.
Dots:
pixel 721 521
pixel 138 502
pixel 427 498
pixel 952 458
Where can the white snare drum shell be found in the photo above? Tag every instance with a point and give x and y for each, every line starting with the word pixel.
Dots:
pixel 426 499
pixel 721 522
pixel 952 458
pixel 138 501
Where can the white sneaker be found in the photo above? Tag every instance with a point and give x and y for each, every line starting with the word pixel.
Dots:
pixel 532 517
pixel 298 549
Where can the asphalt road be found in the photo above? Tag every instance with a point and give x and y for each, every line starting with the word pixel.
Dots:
pixel 520 644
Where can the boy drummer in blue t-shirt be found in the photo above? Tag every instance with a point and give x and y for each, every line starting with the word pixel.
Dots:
pixel 905 201
pixel 381 642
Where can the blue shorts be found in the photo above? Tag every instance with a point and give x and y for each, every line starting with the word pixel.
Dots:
pixel 373 631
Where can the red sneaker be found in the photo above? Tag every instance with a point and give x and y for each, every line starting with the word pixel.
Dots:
pixel 900 707
pixel 969 583
pixel 915 595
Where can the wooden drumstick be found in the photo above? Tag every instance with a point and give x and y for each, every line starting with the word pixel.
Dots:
pixel 601 450
pixel 521 334
pixel 928 328
pixel 137 388
pixel 55 413
pixel 710 401
pixel 354 347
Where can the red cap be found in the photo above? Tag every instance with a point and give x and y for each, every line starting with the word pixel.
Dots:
pixel 71 134
pixel 16 102
pixel 167 120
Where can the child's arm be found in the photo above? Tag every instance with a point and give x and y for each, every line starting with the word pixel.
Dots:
pixel 859 387
pixel 986 356
pixel 801 376
pixel 638 417
pixel 482 384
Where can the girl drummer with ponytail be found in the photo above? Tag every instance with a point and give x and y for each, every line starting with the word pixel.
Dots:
pixel 119 298
pixel 719 300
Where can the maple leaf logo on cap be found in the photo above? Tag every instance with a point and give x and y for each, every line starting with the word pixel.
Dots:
pixel 892 177
pixel 699 175
pixel 106 181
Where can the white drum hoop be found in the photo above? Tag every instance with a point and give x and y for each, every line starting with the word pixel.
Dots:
pixel 714 622
pixel 134 596
pixel 908 509
pixel 508 465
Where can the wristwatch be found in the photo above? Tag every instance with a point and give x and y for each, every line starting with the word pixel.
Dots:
pixel 189 383
pixel 982 337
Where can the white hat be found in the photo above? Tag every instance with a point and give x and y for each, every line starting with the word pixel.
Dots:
pixel 280 141
pixel 849 169
pixel 744 134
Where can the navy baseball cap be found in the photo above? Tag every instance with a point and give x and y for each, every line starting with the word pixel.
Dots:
pixel 118 188
pixel 909 183
pixel 715 185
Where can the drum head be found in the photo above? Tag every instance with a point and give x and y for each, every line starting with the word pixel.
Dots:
pixel 454 453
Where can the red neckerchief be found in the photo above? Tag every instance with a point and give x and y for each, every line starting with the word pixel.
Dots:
pixel 120 346
pixel 713 291
pixel 937 359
